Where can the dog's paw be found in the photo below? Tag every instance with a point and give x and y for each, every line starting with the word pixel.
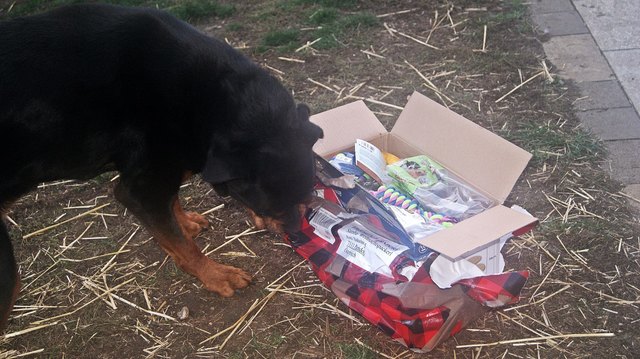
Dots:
pixel 268 223
pixel 224 280
pixel 192 224
pixel 198 219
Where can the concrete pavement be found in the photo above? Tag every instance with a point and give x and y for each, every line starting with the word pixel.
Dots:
pixel 596 43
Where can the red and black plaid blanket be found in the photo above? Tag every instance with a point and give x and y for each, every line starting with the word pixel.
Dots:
pixel 415 312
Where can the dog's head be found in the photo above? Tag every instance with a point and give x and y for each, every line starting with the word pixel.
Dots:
pixel 265 159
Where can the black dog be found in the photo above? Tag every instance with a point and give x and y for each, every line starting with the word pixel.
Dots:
pixel 92 88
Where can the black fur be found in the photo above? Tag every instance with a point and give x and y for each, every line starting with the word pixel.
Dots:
pixel 91 88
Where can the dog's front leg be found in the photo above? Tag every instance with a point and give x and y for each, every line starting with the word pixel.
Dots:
pixel 174 230
pixel 9 279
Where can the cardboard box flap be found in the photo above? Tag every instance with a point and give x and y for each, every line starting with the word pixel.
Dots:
pixel 343 125
pixel 477 232
pixel 479 156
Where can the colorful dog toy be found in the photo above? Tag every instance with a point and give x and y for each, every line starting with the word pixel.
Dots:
pixel 393 197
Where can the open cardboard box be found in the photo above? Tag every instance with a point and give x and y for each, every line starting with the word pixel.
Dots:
pixel 483 159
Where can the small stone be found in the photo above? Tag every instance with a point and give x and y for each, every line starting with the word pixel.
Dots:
pixel 183 313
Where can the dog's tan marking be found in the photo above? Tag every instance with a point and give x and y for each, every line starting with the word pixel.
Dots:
pixel 270 223
pixel 191 223
pixel 215 277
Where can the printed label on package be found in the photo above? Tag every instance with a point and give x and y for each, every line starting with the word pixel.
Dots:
pixel 372 158
pixel 367 249
pixel 322 223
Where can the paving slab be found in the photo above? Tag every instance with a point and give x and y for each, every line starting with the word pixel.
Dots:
pixel 578 57
pixel 549 6
pixel 626 65
pixel 605 64
pixel 612 124
pixel 613 23
pixel 633 191
pixel 624 162
pixel 560 23
pixel 601 95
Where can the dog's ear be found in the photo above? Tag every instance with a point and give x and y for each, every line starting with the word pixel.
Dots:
pixel 310 131
pixel 222 168
pixel 303 112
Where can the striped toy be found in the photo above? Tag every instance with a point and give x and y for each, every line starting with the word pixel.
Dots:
pixel 393 197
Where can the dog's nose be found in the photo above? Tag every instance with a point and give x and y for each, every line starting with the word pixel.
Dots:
pixel 289 221
pixel 293 218
pixel 293 227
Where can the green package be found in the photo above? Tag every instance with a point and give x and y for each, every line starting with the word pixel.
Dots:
pixel 413 172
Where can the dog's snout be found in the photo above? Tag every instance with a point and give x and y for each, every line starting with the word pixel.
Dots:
pixel 287 222
pixel 293 226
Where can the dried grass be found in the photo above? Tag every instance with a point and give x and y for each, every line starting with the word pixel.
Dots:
pixel 571 302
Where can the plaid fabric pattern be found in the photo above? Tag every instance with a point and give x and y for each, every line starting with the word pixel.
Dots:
pixel 416 313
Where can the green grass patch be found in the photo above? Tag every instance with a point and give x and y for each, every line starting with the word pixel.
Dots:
pixel 355 351
pixel 284 40
pixel 512 16
pixel 234 26
pixel 340 4
pixel 281 37
pixel 359 20
pixel 332 31
pixel 514 10
pixel 196 9
pixel 324 16
pixel 333 23
pixel 550 140
pixel 33 6
pixel 587 229
pixel 267 343
pixel 183 9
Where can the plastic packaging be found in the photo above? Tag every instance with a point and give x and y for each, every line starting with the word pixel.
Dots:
pixel 450 196
pixel 436 189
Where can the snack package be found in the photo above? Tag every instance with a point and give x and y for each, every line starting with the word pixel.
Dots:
pixel 413 172
pixel 390 158
pixel 345 162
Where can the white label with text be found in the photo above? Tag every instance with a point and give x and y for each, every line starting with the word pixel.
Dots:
pixel 322 223
pixel 367 249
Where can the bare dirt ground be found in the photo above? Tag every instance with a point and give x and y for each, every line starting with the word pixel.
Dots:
pixel 97 286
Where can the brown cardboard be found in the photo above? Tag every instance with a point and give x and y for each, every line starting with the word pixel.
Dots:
pixel 343 125
pixel 473 233
pixel 491 163
pixel 483 159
